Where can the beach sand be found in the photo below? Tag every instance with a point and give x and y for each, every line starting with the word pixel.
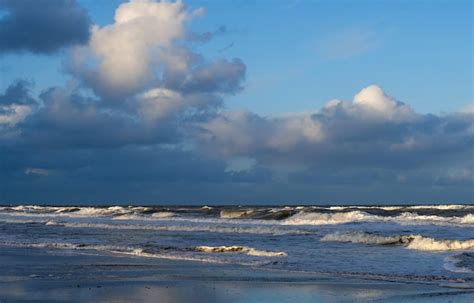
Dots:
pixel 39 275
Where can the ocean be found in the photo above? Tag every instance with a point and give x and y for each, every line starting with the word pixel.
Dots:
pixel 422 244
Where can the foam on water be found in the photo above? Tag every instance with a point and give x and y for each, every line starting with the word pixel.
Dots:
pixel 52 223
pixel 417 242
pixel 407 218
pixel 407 207
pixel 310 215
pixel 185 254
pixel 241 249
pixel 193 228
pixel 163 214
pixel 139 252
pixel 313 218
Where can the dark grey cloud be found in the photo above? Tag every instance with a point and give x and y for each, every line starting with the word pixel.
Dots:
pixel 17 93
pixel 148 174
pixel 70 120
pixel 42 26
pixel 72 144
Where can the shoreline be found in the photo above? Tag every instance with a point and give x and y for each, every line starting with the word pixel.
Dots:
pixel 41 275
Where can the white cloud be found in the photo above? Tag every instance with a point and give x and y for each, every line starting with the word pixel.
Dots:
pixel 373 130
pixel 242 132
pixel 37 171
pixel 12 114
pixel 159 103
pixel 376 103
pixel 128 52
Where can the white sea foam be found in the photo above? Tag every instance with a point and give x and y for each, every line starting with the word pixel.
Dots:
pixel 253 229
pixel 168 224
pixel 169 255
pixel 411 207
pixel 425 243
pixel 34 210
pixel 306 216
pixel 52 223
pixel 442 207
pixel 365 238
pixel 187 257
pixel 242 250
pixel 416 242
pixel 407 218
pixel 163 214
pixel 313 218
pixel 388 208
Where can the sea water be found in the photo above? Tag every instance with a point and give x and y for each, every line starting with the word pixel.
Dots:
pixel 431 243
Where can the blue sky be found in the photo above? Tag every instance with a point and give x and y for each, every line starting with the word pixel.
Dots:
pixel 209 100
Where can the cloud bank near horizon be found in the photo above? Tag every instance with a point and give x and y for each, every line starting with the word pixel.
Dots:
pixel 143 119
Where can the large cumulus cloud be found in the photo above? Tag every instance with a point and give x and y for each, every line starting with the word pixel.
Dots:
pixel 145 48
pixel 373 138
pixel 42 26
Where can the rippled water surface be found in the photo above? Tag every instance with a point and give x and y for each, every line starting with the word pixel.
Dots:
pixel 420 243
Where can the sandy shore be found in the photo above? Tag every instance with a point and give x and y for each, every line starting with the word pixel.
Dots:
pixel 37 275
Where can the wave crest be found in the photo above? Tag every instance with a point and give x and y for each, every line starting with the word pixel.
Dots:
pixel 235 213
pixel 408 218
pixel 309 218
pixel 417 242
pixel 240 249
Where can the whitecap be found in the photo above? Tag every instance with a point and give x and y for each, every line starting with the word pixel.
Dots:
pixel 313 218
pixel 52 223
pixel 163 214
pixel 416 242
pixel 406 218
pixel 240 249
pixel 235 213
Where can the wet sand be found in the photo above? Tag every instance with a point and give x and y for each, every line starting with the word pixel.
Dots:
pixel 39 275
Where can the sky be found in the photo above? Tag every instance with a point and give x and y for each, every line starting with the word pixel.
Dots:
pixel 236 102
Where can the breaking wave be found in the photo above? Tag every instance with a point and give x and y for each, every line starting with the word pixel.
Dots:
pixel 416 242
pixel 171 253
pixel 163 214
pixel 240 229
pixel 231 213
pixel 240 249
pixel 313 218
pixel 407 207
pixel 460 215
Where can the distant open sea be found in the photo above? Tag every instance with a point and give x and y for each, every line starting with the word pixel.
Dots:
pixel 429 243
